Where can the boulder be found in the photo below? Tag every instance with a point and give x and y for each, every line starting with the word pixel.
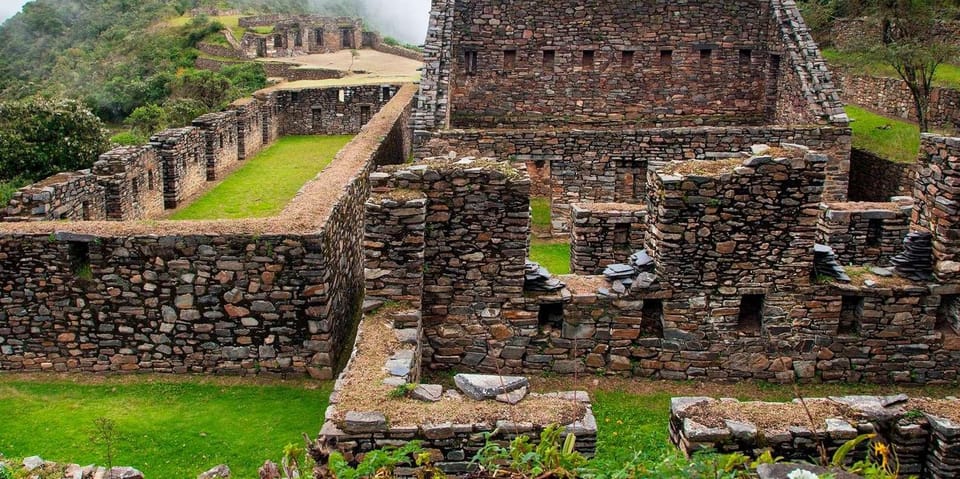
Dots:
pixel 482 386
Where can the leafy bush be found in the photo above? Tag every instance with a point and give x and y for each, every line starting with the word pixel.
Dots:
pixel 129 138
pixel 40 137
pixel 245 77
pixel 376 463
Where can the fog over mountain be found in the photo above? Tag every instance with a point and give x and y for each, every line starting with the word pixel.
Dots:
pixel 9 8
pixel 405 20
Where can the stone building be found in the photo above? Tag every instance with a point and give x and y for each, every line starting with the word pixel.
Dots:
pixel 288 36
pixel 592 96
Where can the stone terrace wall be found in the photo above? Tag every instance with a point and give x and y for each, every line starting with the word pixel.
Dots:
pixel 611 165
pixel 865 233
pixel 183 153
pixel 132 178
pixel 605 233
pixel 220 135
pixel 279 295
pixel 891 97
pixel 476 230
pixel 878 179
pixel 937 195
pixel 331 111
pixel 73 196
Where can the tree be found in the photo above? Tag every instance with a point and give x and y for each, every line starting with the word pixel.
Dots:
pixel 915 43
pixel 40 137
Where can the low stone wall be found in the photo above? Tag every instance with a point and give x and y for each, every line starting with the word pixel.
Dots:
pixel 891 97
pixel 600 166
pixel 605 233
pixel 220 51
pixel 374 41
pixel 133 181
pixel 865 233
pixel 293 72
pixel 73 196
pixel 249 127
pixel 878 179
pixel 924 441
pixel 221 137
pixel 273 296
pixel 393 246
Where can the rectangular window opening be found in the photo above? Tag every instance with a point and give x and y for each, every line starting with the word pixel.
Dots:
pixel 586 60
pixel 626 60
pixel 549 59
pixel 706 55
pixel 509 59
pixel 364 114
pixel 874 233
pixel 317 114
pixel 470 61
pixel 550 317
pixel 851 312
pixel 621 234
pixel 651 323
pixel 79 254
pixel 948 315
pixel 666 59
pixel 386 92
pixel 746 57
pixel 750 319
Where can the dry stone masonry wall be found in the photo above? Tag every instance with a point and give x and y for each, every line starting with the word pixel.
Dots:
pixel 221 298
pixel 334 111
pixel 865 233
pixel 937 195
pixel 74 196
pixel 891 97
pixel 183 153
pixel 133 179
pixel 605 233
pixel 293 35
pixel 220 135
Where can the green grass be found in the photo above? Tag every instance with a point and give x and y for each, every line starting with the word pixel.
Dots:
pixel 551 254
pixel 264 185
pixel 540 213
pixel 169 430
pixel 947 75
pixel 9 187
pixel 232 22
pixel 896 140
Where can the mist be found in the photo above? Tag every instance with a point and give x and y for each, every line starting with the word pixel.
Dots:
pixel 405 20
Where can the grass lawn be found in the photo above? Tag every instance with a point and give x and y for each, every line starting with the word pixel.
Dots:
pixel 540 213
pixel 947 75
pixel 171 428
pixel 900 142
pixel 551 254
pixel 232 22
pixel 264 185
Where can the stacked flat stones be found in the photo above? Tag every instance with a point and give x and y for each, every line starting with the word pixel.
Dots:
pixel 538 278
pixel 825 263
pixel 916 261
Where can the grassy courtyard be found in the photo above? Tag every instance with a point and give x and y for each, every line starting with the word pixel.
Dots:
pixel 170 428
pixel 264 185
pixel 890 138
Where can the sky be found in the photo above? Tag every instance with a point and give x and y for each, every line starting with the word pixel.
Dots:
pixel 9 7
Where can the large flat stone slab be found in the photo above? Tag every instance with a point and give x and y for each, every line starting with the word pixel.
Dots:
pixel 483 386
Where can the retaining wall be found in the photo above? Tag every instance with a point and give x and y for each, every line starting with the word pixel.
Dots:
pixel 878 179
pixel 73 196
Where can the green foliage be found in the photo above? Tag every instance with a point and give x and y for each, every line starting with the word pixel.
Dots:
pixel 548 457
pixel 402 391
pixel 5 473
pixel 246 78
pixel 376 463
pixel 210 88
pixel 40 137
pixel 105 434
pixel 129 138
pixel 264 185
pixel 9 187
pixel 295 462
pixel 147 119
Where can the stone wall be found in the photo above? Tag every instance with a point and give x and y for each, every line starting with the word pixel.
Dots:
pixel 394 246
pixel 602 234
pixel 249 127
pixel 878 179
pixel 921 431
pixel 611 165
pixel 220 134
pixel 374 41
pixel 891 97
pixel 658 64
pixel 476 230
pixel 937 193
pixel 865 233
pixel 132 178
pixel 278 295
pixel 72 196
pixel 183 154
pixel 332 111
pixel 271 116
